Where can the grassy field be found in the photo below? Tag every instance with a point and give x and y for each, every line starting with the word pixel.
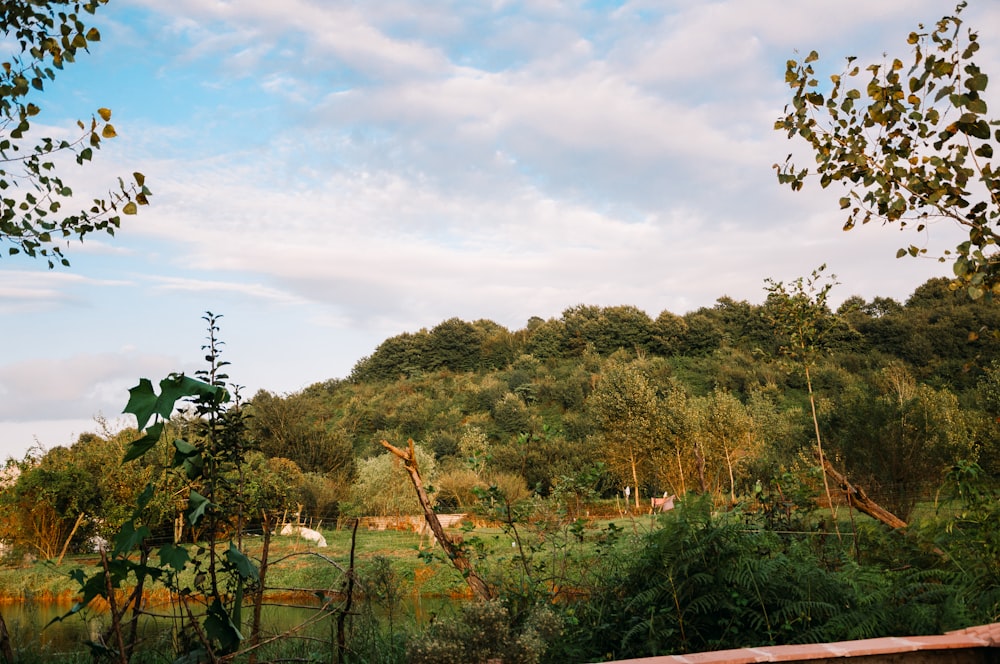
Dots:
pixel 413 564
pixel 296 565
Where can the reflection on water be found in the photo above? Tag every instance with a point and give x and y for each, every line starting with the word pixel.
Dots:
pixel 32 630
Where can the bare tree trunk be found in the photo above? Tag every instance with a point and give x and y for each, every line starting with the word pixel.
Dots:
pixel 136 602
pixel 680 469
pixel 62 554
pixel 342 615
pixel 819 449
pixel 635 478
pixel 700 462
pixel 732 477
pixel 116 623
pixel 455 554
pixel 857 497
pixel 258 600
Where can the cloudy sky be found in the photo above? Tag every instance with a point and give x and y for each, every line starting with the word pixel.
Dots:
pixel 327 174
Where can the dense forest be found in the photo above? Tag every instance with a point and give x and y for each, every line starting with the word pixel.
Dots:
pixel 706 401
pixel 711 402
pixel 539 431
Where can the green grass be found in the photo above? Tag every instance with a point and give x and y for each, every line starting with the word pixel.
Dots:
pixel 297 564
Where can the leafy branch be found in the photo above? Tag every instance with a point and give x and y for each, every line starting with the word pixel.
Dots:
pixel 909 146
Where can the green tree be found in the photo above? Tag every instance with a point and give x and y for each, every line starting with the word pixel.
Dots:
pixel 669 330
pixel 679 433
pixel 910 147
pixel 625 327
pixel 899 437
pixel 397 356
pixel 454 345
pixel 383 488
pixel 545 338
pixel 294 427
pixel 801 317
pixel 703 332
pixel 728 431
pixel 47 500
pixel 511 415
pixel 628 411
pixel 41 38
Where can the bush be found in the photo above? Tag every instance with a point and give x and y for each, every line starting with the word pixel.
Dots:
pixel 484 632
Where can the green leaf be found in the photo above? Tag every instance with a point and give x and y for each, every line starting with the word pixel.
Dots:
pixel 139 447
pixel 977 82
pixel 184 448
pixel 129 537
pixel 179 386
pixel 130 208
pixel 194 466
pixel 141 402
pixel 174 556
pixel 197 504
pixel 145 497
pixel 979 129
pixel 976 106
pixel 243 565
pixel 219 626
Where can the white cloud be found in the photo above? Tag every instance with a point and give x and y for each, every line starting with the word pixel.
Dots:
pixel 330 173
pixel 16 438
pixel 79 386
pixel 251 290
pixel 40 290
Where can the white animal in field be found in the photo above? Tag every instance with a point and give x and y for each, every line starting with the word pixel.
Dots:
pixel 307 534
pixel 96 544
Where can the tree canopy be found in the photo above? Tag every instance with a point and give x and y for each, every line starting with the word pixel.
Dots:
pixel 41 39
pixel 913 145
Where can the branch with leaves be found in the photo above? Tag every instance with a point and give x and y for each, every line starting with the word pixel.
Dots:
pixel 910 147
pixel 44 37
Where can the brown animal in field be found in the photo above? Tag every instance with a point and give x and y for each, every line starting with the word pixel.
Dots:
pixel 664 504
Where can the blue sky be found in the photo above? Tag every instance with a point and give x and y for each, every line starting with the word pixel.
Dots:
pixel 328 174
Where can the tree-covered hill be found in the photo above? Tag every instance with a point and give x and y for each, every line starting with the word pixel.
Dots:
pixel 523 401
pixel 535 428
pixel 600 398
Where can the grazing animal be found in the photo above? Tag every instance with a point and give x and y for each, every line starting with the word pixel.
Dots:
pixel 664 504
pixel 307 534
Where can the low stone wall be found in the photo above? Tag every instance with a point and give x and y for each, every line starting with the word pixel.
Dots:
pixel 975 645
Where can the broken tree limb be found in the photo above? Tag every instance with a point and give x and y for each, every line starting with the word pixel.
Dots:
pixel 857 497
pixel 455 554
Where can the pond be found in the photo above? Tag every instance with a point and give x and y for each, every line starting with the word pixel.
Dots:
pixel 32 630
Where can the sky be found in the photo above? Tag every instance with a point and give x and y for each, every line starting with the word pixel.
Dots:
pixel 329 174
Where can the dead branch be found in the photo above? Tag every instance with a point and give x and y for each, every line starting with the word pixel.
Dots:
pixel 455 553
pixel 857 497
